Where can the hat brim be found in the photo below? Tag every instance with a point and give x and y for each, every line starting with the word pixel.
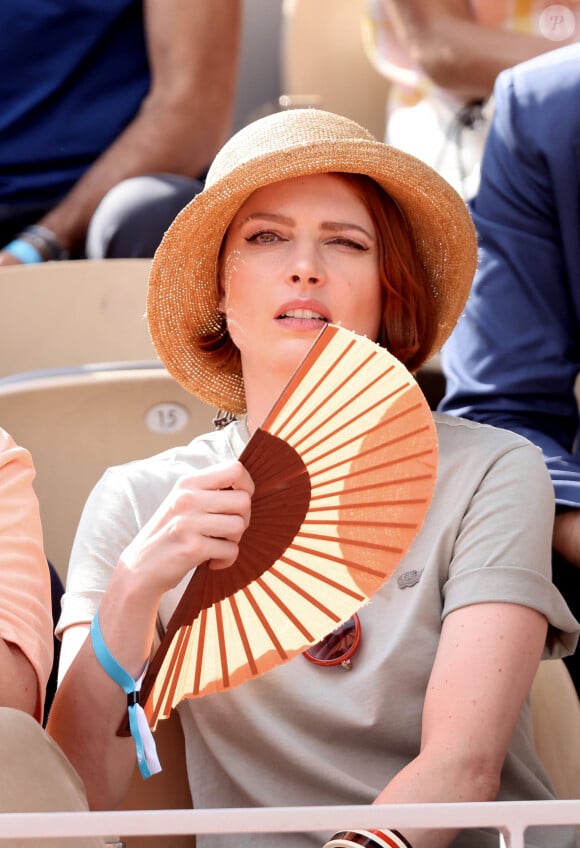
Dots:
pixel 182 304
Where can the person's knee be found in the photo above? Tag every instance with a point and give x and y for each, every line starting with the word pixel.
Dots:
pixel 132 217
pixel 18 730
pixel 39 775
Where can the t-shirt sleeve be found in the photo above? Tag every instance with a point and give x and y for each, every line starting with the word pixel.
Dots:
pixel 106 527
pixel 25 605
pixel 503 549
pixel 120 504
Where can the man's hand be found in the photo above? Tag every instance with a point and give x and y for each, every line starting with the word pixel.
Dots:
pixel 7 258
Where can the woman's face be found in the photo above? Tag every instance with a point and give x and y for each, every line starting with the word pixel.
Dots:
pixel 299 253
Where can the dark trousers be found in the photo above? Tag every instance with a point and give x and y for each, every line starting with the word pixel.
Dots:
pixel 128 223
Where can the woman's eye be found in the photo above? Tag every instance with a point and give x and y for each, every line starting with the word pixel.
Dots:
pixel 263 237
pixel 348 242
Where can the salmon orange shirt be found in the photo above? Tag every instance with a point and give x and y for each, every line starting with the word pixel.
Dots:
pixel 25 605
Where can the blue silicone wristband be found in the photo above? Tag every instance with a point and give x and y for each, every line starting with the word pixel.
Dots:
pixel 24 251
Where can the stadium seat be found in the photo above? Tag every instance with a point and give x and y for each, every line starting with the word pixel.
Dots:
pixel 78 421
pixel 59 314
pixel 332 72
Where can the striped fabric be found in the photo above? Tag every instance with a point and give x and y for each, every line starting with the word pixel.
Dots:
pixel 368 839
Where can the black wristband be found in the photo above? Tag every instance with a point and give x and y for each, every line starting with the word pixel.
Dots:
pixel 46 242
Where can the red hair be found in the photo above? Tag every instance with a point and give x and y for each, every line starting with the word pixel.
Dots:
pixel 409 320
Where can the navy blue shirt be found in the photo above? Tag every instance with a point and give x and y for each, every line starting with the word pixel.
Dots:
pixel 514 356
pixel 73 74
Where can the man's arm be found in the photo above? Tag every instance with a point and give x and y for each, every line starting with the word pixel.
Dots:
pixel 193 52
pixel 26 643
pixel 18 681
pixel 512 359
pixel 454 50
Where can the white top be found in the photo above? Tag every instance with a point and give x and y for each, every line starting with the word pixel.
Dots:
pixel 301 734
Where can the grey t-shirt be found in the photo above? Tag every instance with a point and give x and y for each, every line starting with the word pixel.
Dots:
pixel 302 735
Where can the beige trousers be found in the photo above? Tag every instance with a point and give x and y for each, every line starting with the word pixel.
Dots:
pixel 35 776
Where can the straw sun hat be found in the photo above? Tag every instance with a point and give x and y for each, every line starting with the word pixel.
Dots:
pixel 182 302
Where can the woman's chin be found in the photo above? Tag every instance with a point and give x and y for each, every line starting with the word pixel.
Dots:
pixel 294 350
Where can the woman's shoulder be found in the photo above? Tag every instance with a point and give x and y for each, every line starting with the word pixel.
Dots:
pixel 476 444
pixel 202 451
pixel 466 430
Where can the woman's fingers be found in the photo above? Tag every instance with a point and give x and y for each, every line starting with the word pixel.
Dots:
pixel 225 475
pixel 202 520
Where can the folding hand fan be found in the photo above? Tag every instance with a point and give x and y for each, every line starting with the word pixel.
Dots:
pixel 344 468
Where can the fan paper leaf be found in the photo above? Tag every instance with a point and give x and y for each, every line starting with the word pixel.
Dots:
pixel 344 467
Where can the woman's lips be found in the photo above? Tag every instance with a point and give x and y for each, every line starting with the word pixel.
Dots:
pixel 303 313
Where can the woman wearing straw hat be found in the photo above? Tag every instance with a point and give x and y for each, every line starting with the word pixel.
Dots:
pixel 307 219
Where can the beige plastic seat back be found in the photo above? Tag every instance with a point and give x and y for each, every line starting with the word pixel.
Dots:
pixel 324 62
pixel 168 790
pixel 556 715
pixel 58 314
pixel 77 423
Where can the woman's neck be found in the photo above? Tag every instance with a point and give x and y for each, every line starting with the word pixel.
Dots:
pixel 261 395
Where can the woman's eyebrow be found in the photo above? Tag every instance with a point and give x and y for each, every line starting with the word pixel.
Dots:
pixel 333 226
pixel 337 226
pixel 269 216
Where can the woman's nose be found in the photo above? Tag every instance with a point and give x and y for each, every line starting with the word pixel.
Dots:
pixel 312 279
pixel 306 267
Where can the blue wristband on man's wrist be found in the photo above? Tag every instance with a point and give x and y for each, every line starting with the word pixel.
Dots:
pixel 23 251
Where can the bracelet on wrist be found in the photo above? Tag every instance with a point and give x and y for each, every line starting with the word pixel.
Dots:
pixel 145 747
pixel 46 241
pixel 368 839
pixel 24 251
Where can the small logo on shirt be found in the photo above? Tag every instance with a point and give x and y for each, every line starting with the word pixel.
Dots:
pixel 409 578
